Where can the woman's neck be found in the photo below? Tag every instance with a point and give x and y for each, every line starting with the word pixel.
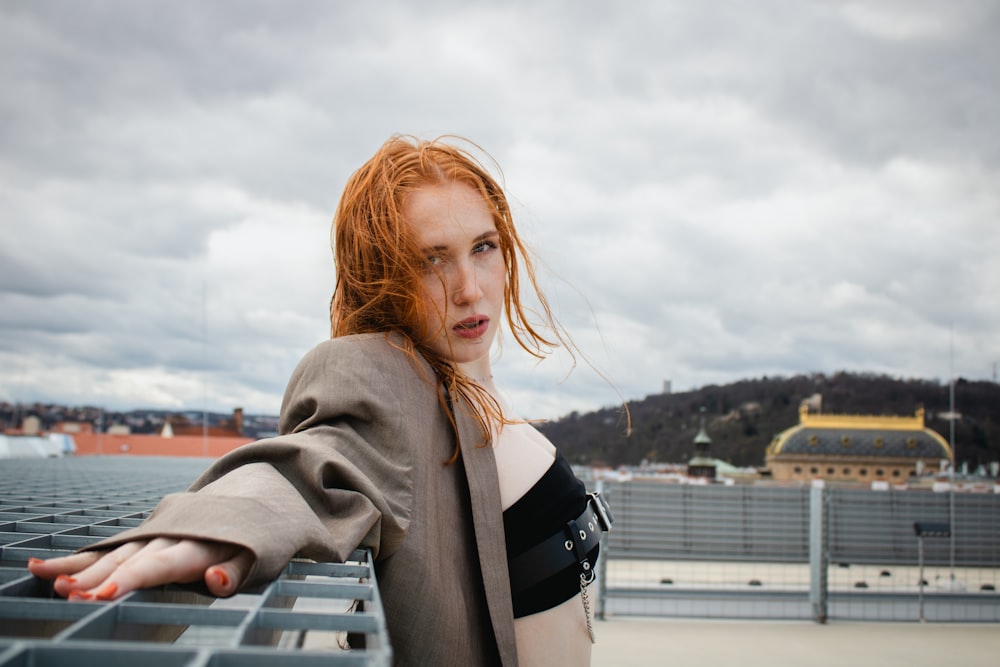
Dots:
pixel 477 372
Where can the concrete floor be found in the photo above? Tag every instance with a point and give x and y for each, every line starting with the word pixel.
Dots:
pixel 642 642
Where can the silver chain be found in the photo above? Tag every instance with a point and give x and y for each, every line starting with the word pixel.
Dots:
pixel 586 604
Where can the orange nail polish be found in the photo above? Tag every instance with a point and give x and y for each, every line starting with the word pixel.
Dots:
pixel 107 592
pixel 79 595
pixel 35 561
pixel 221 574
pixel 66 579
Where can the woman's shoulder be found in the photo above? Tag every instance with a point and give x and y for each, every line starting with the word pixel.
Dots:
pixel 366 375
pixel 371 354
pixel 391 346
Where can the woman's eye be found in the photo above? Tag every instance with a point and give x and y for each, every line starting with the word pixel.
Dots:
pixel 432 261
pixel 484 246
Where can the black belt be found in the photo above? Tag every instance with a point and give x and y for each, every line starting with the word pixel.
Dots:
pixel 565 548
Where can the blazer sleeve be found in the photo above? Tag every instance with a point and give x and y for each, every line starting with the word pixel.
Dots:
pixel 338 476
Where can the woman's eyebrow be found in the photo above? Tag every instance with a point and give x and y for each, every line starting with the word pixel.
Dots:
pixel 445 246
pixel 486 235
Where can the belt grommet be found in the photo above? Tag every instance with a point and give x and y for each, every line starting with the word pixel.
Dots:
pixel 569 545
pixel 590 526
pixel 583 535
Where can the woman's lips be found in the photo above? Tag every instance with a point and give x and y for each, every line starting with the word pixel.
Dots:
pixel 472 327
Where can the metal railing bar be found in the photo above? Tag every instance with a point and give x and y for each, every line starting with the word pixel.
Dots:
pixel 287 619
pixel 337 590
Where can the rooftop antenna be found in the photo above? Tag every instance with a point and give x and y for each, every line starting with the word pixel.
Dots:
pixel 951 444
pixel 204 369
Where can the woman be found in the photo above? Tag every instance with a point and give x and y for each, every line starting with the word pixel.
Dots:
pixel 394 437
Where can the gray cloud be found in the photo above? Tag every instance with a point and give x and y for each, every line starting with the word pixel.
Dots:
pixel 714 192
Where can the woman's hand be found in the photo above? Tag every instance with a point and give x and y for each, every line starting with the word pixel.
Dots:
pixel 106 575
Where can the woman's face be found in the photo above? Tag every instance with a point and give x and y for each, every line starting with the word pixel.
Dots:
pixel 464 273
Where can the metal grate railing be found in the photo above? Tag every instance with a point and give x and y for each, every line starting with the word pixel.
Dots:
pixel 710 522
pixel 52 507
pixel 877 527
pixel 747 552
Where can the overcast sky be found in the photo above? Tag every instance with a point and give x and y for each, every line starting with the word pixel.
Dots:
pixel 715 190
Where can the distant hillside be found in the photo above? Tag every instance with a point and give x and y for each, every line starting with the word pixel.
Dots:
pixel 743 417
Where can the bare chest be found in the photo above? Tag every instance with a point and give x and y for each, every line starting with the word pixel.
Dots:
pixel 522 455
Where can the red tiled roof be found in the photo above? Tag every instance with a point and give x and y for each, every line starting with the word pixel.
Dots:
pixel 155 445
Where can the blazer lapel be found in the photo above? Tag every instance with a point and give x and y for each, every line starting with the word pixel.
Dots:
pixel 484 490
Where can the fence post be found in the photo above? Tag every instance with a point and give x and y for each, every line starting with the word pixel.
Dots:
pixel 818 553
pixel 602 563
pixel 924 529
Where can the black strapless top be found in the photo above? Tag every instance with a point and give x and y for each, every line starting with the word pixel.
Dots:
pixel 555 499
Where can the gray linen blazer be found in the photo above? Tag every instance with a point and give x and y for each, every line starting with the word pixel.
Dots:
pixel 361 462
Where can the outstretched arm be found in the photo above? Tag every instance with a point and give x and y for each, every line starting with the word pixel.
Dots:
pixel 337 478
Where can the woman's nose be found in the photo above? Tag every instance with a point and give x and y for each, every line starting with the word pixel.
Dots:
pixel 466 286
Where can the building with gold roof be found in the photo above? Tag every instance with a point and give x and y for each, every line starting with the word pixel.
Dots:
pixel 856 448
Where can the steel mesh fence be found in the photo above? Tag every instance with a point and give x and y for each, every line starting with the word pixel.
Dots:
pixel 874 554
pixel 744 551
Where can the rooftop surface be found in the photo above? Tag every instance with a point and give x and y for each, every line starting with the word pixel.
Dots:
pixel 644 642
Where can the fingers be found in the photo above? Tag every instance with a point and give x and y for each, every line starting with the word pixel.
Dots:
pixel 134 565
pixel 82 571
pixel 64 566
pixel 225 578
pixel 171 561
pixel 110 576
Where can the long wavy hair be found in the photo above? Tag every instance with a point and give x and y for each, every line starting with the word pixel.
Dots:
pixel 379 266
